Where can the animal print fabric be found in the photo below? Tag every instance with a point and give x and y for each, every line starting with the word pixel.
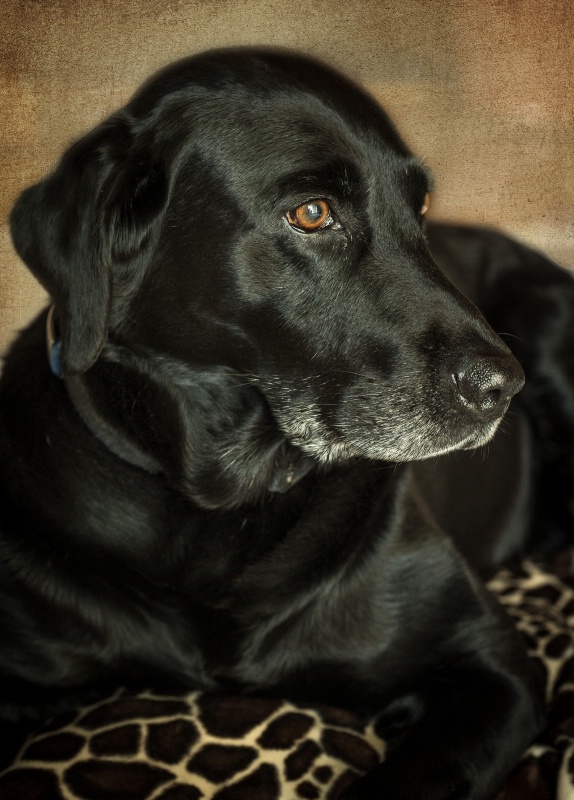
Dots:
pixel 192 747
pixel 203 747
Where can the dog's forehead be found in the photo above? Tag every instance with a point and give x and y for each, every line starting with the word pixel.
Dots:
pixel 257 103
pixel 287 131
pixel 260 141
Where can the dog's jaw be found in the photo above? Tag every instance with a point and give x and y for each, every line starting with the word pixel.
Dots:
pixel 380 428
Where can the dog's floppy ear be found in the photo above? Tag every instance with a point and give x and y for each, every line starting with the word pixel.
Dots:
pixel 88 223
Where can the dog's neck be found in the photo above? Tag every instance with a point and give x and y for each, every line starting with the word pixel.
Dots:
pixel 106 433
pixel 80 398
pixel 290 465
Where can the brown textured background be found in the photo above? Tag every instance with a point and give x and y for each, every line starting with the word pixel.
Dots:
pixel 482 91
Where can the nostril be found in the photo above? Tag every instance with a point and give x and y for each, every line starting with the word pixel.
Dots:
pixel 491 399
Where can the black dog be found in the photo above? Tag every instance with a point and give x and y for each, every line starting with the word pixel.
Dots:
pixel 240 480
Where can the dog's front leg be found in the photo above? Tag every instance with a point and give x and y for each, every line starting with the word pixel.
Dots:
pixel 477 723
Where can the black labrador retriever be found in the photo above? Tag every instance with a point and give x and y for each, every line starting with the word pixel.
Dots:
pixel 251 466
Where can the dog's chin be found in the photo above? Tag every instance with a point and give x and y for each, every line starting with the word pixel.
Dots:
pixel 406 446
pixel 421 447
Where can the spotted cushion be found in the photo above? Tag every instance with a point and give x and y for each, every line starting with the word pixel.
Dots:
pixel 155 747
pixel 194 746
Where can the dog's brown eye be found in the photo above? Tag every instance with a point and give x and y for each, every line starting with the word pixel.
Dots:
pixel 310 216
pixel 425 205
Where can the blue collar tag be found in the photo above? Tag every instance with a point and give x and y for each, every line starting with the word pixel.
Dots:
pixel 56 359
pixel 53 343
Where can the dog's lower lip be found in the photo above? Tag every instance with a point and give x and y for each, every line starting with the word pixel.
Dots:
pixel 480 438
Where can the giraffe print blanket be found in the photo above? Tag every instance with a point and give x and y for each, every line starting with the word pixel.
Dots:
pixel 202 747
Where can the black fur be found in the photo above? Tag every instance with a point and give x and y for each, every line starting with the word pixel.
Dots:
pixel 257 472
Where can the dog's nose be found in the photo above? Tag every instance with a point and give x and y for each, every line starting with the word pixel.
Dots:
pixel 486 385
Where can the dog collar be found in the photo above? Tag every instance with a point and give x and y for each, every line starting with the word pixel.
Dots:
pixel 79 396
pixel 53 343
pixel 118 444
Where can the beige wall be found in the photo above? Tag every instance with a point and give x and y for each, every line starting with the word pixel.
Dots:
pixel 482 91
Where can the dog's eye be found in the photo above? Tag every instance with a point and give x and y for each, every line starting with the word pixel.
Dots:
pixel 425 206
pixel 311 216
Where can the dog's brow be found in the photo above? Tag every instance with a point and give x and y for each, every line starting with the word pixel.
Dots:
pixel 418 176
pixel 340 177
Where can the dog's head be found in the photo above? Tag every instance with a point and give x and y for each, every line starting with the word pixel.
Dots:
pixel 256 211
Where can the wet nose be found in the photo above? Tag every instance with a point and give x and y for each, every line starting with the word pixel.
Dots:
pixel 486 385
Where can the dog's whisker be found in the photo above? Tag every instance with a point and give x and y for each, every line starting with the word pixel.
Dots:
pixel 509 335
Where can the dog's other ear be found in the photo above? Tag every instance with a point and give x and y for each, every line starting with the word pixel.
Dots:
pixel 87 225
